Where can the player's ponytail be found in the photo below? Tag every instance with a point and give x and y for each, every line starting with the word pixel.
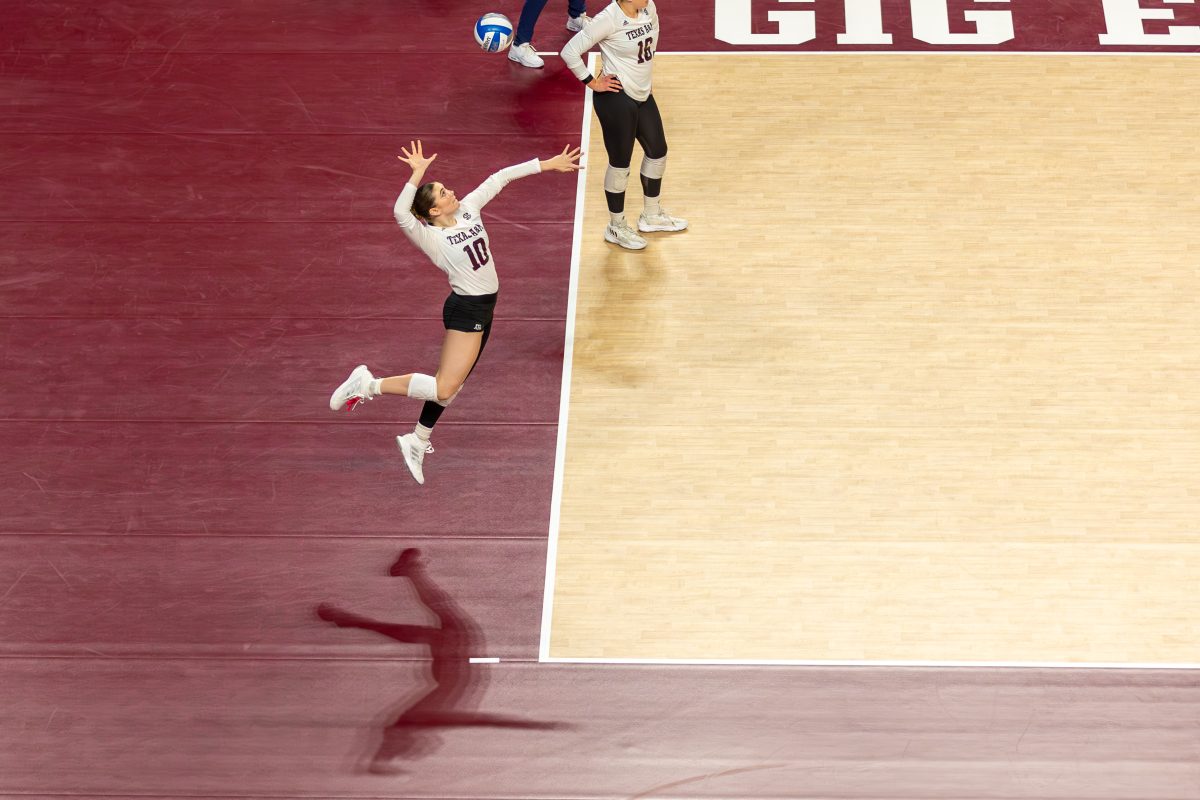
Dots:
pixel 423 202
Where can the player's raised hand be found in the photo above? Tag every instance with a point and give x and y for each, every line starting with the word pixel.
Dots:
pixel 414 156
pixel 566 161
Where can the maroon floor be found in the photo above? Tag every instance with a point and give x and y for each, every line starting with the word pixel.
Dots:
pixel 195 245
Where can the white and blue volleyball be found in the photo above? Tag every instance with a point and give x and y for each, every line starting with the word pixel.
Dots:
pixel 494 32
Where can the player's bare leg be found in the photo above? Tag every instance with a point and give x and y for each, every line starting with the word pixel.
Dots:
pixel 460 350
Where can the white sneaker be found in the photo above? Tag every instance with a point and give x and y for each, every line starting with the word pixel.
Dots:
pixel 661 222
pixel 353 390
pixel 526 56
pixel 620 233
pixel 576 24
pixel 414 451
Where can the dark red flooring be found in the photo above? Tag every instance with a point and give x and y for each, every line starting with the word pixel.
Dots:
pixel 156 594
pixel 196 245
pixel 336 271
pixel 273 477
pixel 268 370
pixel 283 178
pixel 295 727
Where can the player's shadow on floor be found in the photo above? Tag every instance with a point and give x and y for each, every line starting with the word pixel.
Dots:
pixel 410 731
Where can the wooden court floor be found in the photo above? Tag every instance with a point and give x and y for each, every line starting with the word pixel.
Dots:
pixel 919 384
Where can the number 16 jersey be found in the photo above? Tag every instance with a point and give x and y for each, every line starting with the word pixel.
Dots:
pixel 627 45
pixel 463 250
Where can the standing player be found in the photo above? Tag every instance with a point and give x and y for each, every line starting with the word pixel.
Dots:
pixel 627 34
pixel 522 50
pixel 451 233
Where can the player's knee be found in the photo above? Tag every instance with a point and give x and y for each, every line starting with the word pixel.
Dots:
pixel 616 179
pixel 446 391
pixel 444 402
pixel 654 168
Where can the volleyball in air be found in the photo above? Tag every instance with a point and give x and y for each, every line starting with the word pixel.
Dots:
pixel 494 32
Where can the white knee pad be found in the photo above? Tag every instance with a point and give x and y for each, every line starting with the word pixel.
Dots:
pixel 654 168
pixel 616 179
pixel 422 387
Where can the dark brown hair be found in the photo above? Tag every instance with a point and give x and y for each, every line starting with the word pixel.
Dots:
pixel 423 202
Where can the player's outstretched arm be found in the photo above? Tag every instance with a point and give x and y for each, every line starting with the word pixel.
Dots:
pixel 566 161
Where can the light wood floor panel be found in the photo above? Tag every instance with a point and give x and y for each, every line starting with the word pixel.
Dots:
pixel 919 384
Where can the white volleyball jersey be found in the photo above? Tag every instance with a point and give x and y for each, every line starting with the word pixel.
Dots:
pixel 463 250
pixel 628 47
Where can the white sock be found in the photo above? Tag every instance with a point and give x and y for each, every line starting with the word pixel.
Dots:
pixel 652 207
pixel 423 433
pixel 616 219
pixel 373 387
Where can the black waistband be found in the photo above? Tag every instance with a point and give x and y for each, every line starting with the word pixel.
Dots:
pixel 478 299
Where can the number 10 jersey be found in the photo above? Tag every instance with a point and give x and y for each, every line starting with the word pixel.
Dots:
pixel 463 250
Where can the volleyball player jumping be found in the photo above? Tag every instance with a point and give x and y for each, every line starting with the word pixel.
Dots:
pixel 452 234
pixel 627 34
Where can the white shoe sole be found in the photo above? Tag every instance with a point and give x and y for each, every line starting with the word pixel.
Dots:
pixel 413 465
pixel 608 237
pixel 334 403
pixel 524 64
pixel 661 228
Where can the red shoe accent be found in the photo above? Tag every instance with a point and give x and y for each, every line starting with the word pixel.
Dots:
pixel 352 402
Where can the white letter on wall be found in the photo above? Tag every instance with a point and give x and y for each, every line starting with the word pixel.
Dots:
pixel 864 23
pixel 1124 20
pixel 931 24
pixel 733 24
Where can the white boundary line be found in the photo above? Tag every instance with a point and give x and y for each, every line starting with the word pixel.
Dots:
pixel 783 662
pixel 565 397
pixel 561 448
pixel 1109 53
pixel 926 53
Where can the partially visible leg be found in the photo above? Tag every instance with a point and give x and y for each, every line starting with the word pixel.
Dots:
pixel 529 17
pixel 414 384
pixel 577 16
pixel 617 113
pixel 362 385
pixel 431 412
pixel 522 50
pixel 427 387
pixel 460 351
pixel 653 139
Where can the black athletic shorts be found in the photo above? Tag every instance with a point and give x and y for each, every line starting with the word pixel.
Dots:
pixel 470 313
